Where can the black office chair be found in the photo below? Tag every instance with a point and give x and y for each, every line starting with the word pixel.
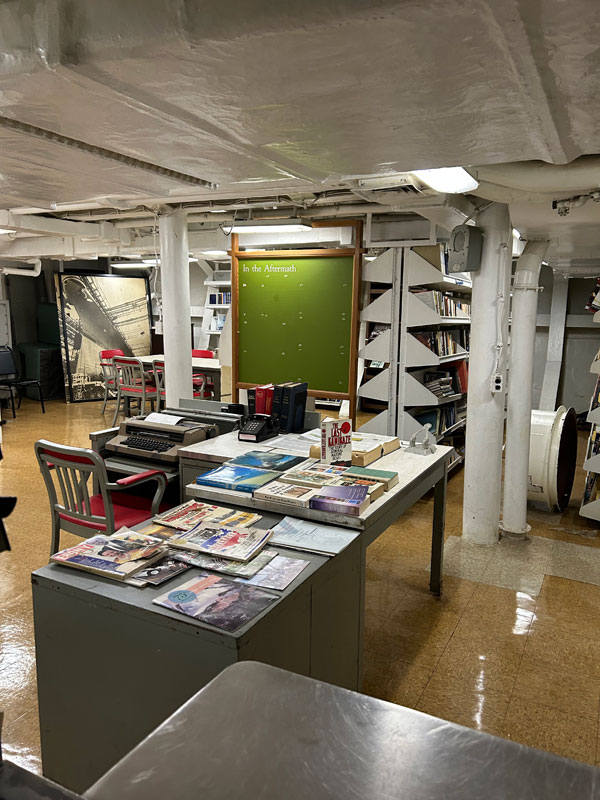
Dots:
pixel 10 379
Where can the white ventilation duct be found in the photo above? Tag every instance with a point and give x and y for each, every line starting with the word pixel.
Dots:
pixel 11 269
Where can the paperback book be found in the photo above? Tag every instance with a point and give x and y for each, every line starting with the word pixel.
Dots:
pixel 187 515
pixel 279 573
pixel 307 477
pixel 239 544
pixel 388 478
pixel 119 556
pixel 285 493
pixel 263 459
pixel 165 569
pixel 299 534
pixel 241 479
pixel 336 441
pixel 351 500
pixel 217 601
pixel 374 488
pixel 237 568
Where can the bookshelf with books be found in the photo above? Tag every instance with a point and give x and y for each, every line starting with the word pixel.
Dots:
pixel 216 306
pixel 590 504
pixel 435 324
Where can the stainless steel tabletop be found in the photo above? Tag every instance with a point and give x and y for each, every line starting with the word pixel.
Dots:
pixel 259 732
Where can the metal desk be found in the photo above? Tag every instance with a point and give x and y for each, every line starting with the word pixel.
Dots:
pixel 256 731
pixel 111 665
pixel 211 367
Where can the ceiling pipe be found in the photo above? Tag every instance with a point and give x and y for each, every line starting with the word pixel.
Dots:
pixel 28 273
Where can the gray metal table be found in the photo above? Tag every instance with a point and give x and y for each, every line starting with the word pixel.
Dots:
pixel 111 665
pixel 256 731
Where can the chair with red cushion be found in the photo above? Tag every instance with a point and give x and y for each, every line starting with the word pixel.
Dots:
pixel 109 374
pixel 133 382
pixel 202 383
pixel 67 472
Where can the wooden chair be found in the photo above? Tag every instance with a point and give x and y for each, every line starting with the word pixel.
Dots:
pixel 202 383
pixel 132 382
pixel 109 374
pixel 10 379
pixel 67 472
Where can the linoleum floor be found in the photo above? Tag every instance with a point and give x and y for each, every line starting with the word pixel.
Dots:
pixel 512 648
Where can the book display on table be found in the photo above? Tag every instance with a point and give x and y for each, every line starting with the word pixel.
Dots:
pixel 188 515
pixel 240 479
pixel 241 569
pixel 366 447
pixel 351 500
pixel 239 544
pixel 279 573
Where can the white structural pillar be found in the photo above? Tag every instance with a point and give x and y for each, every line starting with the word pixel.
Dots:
pixel 175 286
pixel 520 387
pixel 485 408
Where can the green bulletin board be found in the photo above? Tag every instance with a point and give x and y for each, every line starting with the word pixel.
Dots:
pixel 295 321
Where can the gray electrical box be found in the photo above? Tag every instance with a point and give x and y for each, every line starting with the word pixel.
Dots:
pixel 465 249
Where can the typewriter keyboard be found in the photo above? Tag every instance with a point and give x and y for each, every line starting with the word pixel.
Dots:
pixel 146 443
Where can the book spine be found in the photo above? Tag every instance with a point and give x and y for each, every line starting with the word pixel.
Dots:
pixel 260 399
pixel 252 401
pixel 269 400
pixel 284 420
pixel 276 408
pixel 324 504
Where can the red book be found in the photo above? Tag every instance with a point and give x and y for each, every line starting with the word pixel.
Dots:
pixel 269 399
pixel 261 398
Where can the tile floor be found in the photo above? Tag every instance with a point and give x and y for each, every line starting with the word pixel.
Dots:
pixel 512 648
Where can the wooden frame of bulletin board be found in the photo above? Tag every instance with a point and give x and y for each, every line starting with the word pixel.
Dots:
pixel 355 254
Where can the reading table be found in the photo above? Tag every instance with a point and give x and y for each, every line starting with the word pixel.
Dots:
pixel 261 732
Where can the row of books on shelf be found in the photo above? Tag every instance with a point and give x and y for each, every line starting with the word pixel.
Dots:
pixel 445 342
pixel 443 418
pixel 219 298
pixel 301 481
pixel 591 490
pixel 239 572
pixel 443 304
pixel 593 442
pixel 285 402
pixel 447 382
pixel 595 402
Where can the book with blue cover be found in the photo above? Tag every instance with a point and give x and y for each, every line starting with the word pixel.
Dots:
pixel 352 500
pixel 262 459
pixel 237 478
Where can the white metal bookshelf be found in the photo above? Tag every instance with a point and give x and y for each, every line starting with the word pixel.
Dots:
pixel 221 280
pixel 591 464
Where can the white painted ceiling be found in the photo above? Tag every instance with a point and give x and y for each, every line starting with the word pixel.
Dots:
pixel 259 95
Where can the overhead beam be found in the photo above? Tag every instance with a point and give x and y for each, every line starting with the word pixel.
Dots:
pixel 33 223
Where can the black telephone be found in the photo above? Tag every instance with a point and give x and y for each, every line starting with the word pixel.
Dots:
pixel 257 428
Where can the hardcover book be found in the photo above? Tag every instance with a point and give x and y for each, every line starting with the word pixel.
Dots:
pixel 279 573
pixel 336 441
pixel 386 477
pixel 119 556
pixel 239 544
pixel 285 493
pixel 241 479
pixel 217 601
pixel 237 568
pixel 263 459
pixel 351 500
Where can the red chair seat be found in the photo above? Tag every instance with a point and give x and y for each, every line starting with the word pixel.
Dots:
pixel 129 510
pixel 130 389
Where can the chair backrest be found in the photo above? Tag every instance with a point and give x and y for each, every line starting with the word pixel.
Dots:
pixel 107 355
pixel 109 371
pixel 66 472
pixel 158 368
pixel 202 354
pixel 130 372
pixel 7 361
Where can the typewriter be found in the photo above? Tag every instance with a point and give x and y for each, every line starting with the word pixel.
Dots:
pixel 158 441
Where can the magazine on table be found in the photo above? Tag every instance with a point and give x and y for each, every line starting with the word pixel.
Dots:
pixel 239 544
pixel 217 601
pixel 242 569
pixel 300 534
pixel 165 569
pixel 279 573
pixel 187 515
pixel 118 556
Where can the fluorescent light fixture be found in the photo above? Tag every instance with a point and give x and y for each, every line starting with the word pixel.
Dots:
pixel 216 211
pixel 370 258
pixel 5 230
pixel 516 233
pixel 153 262
pixel 451 180
pixel 130 265
pixel 214 253
pixel 254 226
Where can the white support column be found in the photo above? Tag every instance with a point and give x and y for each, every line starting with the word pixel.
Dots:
pixel 520 388
pixel 485 409
pixel 175 285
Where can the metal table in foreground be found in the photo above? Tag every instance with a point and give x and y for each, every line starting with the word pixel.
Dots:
pixel 257 731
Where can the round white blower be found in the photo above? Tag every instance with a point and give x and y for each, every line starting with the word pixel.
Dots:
pixel 552 457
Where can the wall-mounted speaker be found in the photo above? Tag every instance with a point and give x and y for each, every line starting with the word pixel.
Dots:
pixel 466 243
